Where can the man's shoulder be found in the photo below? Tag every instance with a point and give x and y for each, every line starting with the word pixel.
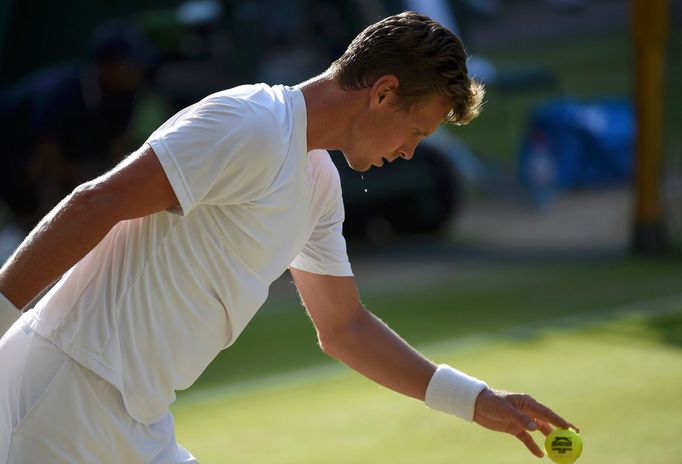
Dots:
pixel 265 109
pixel 254 95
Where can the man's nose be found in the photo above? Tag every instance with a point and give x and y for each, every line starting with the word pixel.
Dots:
pixel 407 151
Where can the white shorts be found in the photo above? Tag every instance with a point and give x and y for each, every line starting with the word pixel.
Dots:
pixel 53 410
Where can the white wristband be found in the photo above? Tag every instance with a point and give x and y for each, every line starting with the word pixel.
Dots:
pixel 8 314
pixel 453 392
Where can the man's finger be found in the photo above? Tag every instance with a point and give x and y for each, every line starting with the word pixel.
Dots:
pixel 530 443
pixel 522 420
pixel 543 413
pixel 544 427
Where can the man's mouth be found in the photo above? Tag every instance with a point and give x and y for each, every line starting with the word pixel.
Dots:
pixel 383 160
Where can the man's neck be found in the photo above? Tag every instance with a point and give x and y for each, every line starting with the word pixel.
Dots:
pixel 330 111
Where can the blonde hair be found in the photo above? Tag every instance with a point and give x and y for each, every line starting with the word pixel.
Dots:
pixel 425 57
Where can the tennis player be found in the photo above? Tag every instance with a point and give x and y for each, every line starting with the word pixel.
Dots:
pixel 164 260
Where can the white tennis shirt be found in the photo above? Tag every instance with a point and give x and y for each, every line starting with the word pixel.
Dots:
pixel 152 304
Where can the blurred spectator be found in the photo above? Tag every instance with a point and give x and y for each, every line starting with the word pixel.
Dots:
pixel 65 124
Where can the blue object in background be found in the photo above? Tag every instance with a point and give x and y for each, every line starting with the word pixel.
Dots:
pixel 577 144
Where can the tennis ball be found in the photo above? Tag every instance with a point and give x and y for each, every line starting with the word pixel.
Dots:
pixel 563 446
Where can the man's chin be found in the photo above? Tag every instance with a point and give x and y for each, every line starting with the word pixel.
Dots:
pixel 355 166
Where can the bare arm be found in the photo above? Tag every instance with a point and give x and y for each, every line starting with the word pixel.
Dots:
pixel 350 333
pixel 353 335
pixel 137 187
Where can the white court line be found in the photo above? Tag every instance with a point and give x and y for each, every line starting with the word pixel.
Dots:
pixel 637 311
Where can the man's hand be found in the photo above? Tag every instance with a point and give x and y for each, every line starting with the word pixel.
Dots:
pixel 516 414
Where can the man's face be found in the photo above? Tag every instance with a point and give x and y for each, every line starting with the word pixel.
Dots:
pixel 384 131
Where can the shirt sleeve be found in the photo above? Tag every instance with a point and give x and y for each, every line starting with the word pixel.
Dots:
pixel 218 151
pixel 325 251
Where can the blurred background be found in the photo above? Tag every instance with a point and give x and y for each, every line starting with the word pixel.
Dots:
pixel 552 224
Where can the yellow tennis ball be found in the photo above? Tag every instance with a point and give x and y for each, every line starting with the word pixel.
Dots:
pixel 563 446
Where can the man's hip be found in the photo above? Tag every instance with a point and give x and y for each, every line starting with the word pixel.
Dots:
pixel 54 410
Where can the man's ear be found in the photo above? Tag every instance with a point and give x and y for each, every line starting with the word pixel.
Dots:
pixel 383 90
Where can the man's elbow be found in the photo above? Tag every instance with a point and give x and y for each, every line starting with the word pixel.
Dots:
pixel 338 340
pixel 92 198
pixel 329 345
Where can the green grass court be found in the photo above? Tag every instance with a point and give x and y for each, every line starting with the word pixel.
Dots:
pixel 600 342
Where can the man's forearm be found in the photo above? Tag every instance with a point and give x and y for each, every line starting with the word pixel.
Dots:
pixel 370 347
pixel 75 226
